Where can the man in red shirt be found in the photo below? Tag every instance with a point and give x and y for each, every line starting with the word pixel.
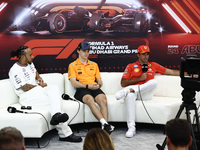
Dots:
pixel 136 77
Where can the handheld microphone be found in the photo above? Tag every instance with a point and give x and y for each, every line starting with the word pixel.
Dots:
pixel 159 147
pixel 144 68
pixel 14 110
pixel 66 97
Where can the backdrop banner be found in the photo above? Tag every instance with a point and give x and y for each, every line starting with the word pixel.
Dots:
pixel 53 29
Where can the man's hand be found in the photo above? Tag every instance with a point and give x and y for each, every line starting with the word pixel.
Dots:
pixel 143 76
pixel 93 86
pixel 27 87
pixel 41 82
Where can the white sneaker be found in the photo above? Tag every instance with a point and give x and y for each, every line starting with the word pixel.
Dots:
pixel 130 133
pixel 121 93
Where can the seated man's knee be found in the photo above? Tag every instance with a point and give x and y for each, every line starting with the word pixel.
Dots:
pixel 101 100
pixel 104 102
pixel 89 100
pixel 131 96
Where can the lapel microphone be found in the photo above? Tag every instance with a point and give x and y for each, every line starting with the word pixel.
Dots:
pixel 144 68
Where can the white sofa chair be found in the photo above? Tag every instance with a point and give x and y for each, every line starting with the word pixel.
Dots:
pixel 36 124
pixel 163 106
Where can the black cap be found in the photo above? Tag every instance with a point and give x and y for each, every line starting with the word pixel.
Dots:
pixel 84 46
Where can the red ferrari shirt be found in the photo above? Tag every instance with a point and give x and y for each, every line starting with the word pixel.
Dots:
pixel 134 70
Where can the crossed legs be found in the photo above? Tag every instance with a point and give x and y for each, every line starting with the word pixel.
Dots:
pixel 132 93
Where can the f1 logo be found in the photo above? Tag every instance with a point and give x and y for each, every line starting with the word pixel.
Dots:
pixel 61 47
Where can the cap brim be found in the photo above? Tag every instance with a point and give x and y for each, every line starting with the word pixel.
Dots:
pixel 85 49
pixel 144 52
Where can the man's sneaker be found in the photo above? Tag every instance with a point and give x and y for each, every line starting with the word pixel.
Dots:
pixel 71 138
pixel 121 93
pixel 130 133
pixel 59 118
pixel 108 128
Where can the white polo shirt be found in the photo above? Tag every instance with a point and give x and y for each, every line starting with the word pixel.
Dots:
pixel 20 75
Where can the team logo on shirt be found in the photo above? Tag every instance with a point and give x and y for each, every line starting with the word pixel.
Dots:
pixel 32 69
pixel 150 70
pixel 136 69
pixel 17 79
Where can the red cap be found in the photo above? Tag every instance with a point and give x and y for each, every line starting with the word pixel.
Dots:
pixel 143 49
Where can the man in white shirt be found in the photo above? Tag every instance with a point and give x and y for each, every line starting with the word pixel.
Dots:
pixel 32 91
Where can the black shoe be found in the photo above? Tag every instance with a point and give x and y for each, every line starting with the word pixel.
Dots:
pixel 59 118
pixel 108 128
pixel 71 138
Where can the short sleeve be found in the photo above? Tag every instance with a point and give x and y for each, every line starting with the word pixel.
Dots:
pixel 159 69
pixel 98 75
pixel 16 78
pixel 127 72
pixel 71 71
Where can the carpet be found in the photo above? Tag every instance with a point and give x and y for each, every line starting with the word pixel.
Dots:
pixel 146 138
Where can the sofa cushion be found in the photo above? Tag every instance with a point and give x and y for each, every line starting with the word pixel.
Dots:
pixel 69 89
pixel 168 86
pixel 8 95
pixel 54 79
pixel 32 125
pixel 111 82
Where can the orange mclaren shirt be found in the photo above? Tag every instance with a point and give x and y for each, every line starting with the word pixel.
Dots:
pixel 86 74
pixel 134 70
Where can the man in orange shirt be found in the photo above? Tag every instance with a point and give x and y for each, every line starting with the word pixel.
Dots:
pixel 84 75
pixel 136 77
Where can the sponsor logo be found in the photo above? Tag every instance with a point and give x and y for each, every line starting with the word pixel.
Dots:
pixel 63 48
pixel 17 79
pixel 136 69
pixel 150 70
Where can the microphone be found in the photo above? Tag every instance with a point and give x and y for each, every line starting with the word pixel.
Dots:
pixel 144 68
pixel 66 97
pixel 159 147
pixel 14 110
